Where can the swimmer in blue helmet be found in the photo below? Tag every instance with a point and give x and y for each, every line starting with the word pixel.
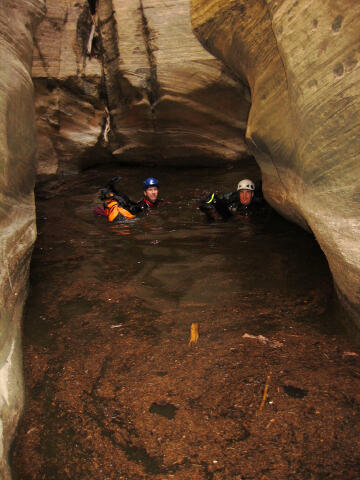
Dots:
pixel 151 193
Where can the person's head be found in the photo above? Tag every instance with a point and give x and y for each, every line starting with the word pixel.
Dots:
pixel 151 189
pixel 246 189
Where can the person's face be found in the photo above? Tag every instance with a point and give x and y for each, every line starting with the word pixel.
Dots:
pixel 152 193
pixel 246 197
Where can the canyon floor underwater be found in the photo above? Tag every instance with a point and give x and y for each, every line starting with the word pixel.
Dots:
pixel 114 388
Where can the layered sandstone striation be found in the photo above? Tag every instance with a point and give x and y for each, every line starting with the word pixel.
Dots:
pixel 130 81
pixel 301 62
pixel 17 210
pixel 69 100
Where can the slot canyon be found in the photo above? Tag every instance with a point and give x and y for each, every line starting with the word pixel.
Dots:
pixel 199 93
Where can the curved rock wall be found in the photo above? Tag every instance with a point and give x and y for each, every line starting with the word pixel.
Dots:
pixel 301 61
pixel 146 90
pixel 17 211
pixel 168 99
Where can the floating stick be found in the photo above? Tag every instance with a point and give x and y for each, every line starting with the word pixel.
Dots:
pixel 194 333
pixel 265 392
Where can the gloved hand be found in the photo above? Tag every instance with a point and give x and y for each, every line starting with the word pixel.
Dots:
pixel 208 202
pixel 213 203
pixel 112 184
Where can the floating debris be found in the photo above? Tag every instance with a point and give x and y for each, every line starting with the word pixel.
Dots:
pixel 266 388
pixel 350 355
pixel 264 340
pixel 194 333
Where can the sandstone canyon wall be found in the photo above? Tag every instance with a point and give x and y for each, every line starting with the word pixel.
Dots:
pixel 301 62
pixel 17 210
pixel 129 80
pixel 146 90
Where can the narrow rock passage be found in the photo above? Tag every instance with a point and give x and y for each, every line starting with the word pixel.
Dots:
pixel 114 390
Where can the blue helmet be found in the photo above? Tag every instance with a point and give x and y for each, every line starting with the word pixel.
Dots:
pixel 150 182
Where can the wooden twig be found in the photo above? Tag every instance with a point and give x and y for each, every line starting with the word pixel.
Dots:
pixel 266 388
pixel 194 333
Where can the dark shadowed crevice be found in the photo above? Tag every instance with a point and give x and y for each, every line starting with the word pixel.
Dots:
pixel 152 89
pixel 86 30
pixel 93 6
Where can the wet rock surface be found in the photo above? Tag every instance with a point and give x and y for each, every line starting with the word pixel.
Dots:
pixel 17 209
pixel 114 390
pixel 302 67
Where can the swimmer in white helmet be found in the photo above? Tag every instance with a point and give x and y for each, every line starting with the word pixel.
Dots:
pixel 245 200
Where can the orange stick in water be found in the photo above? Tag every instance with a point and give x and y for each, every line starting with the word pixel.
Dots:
pixel 265 392
pixel 194 333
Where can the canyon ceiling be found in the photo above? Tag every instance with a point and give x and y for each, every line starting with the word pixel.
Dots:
pixel 192 83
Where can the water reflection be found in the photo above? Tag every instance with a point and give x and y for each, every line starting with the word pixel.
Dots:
pixel 179 256
pixel 120 228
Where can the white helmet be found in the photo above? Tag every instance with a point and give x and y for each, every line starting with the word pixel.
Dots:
pixel 246 184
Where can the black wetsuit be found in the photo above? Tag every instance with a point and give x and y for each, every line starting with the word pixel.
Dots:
pixel 124 201
pixel 229 203
pixel 143 205
pixel 232 202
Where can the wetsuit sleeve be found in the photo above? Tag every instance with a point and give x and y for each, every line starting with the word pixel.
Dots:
pixel 229 198
pixel 112 185
pixel 123 200
pixel 137 207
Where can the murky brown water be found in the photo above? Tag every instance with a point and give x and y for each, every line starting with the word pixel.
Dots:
pixel 114 390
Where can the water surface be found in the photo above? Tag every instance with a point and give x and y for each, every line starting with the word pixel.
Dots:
pixel 115 391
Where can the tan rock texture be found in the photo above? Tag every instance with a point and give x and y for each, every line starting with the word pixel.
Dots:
pixel 70 108
pixel 169 100
pixel 17 211
pixel 301 62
